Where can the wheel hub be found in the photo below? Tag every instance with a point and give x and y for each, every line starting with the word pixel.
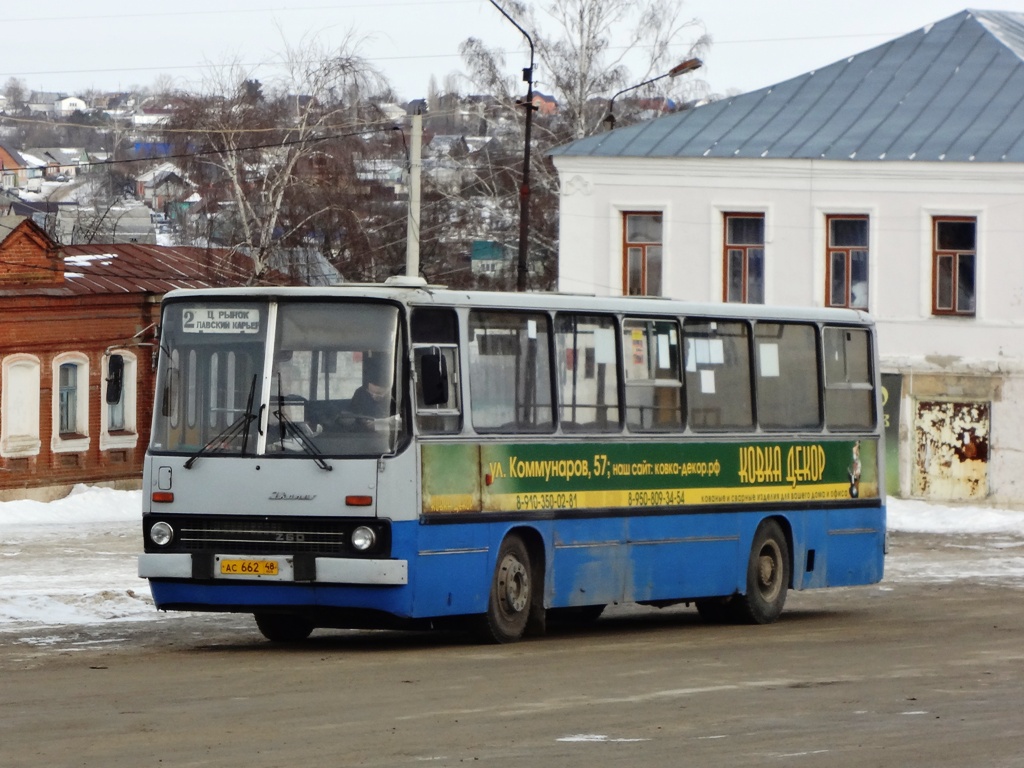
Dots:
pixel 514 584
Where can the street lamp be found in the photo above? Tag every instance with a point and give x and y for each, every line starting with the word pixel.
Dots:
pixel 679 69
pixel 524 189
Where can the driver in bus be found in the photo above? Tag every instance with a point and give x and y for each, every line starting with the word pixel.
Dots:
pixel 373 399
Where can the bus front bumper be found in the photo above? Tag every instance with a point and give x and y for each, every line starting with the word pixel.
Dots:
pixel 325 570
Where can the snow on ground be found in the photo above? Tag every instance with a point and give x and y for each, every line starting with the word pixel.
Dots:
pixel 72 561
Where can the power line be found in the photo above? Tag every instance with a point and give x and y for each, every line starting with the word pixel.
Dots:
pixel 370 4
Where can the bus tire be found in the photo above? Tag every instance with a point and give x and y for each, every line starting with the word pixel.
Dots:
pixel 283 627
pixel 767 576
pixel 511 594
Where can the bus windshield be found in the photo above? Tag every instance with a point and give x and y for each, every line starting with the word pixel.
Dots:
pixel 320 382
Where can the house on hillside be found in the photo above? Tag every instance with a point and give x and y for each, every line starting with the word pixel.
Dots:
pixel 13 168
pixel 60 161
pixel 66 106
pixel 44 102
pixel 55 218
pixel 78 335
pixel 544 103
pixel 889 182
pixel 162 185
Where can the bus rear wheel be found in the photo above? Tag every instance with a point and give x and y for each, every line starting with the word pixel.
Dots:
pixel 511 594
pixel 283 627
pixel 767 576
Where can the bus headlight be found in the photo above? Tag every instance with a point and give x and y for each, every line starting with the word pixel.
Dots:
pixel 161 534
pixel 363 538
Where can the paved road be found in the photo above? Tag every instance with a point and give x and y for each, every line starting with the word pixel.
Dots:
pixel 903 674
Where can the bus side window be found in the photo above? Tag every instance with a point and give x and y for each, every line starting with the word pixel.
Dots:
pixel 787 376
pixel 438 407
pixel 651 362
pixel 435 337
pixel 587 373
pixel 718 394
pixel 510 371
pixel 849 393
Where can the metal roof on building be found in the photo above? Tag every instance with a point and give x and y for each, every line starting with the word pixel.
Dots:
pixel 951 91
pixel 138 268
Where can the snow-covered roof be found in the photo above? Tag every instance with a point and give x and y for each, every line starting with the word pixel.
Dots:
pixel 951 91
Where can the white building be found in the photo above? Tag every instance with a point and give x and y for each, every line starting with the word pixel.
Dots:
pixel 891 181
pixel 68 105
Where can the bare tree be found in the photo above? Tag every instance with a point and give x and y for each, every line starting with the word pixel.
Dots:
pixel 582 48
pixel 266 149
pixel 16 92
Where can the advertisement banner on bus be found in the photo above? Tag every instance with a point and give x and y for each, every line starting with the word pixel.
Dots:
pixel 532 477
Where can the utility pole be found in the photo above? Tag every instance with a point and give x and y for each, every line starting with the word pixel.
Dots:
pixel 524 188
pixel 412 238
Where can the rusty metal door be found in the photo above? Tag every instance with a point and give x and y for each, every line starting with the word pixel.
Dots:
pixel 951 450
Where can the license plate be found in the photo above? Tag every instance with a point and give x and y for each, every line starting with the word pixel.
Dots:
pixel 248 567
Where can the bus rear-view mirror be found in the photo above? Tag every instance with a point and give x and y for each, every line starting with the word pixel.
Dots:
pixel 434 378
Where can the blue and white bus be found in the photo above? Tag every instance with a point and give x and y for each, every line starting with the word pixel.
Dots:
pixel 402 455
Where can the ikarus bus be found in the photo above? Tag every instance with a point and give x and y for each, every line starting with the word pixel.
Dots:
pixel 402 455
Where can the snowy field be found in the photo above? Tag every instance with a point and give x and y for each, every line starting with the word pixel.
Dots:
pixel 72 561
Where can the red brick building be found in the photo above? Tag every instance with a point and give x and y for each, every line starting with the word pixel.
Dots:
pixel 77 354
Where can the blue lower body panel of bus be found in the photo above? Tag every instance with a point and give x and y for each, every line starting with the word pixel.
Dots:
pixel 446 569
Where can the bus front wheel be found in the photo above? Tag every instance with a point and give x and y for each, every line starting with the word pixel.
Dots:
pixel 767 576
pixel 283 627
pixel 511 594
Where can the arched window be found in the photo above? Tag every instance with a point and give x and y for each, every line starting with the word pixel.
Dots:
pixel 19 410
pixel 70 403
pixel 118 391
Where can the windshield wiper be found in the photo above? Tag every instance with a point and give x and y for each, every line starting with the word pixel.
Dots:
pixel 239 426
pixel 290 428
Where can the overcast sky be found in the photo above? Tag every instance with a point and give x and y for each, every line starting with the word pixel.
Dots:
pixel 73 45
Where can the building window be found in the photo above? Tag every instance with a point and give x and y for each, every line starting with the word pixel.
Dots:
pixel 847 265
pixel 70 403
pixel 19 412
pixel 642 263
pixel 115 393
pixel 954 264
pixel 744 258
pixel 68 394
pixel 119 388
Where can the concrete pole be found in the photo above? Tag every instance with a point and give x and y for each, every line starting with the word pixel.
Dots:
pixel 412 252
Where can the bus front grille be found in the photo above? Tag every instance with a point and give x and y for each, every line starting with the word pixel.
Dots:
pixel 269 536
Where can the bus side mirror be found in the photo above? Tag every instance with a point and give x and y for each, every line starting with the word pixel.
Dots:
pixel 434 378
pixel 115 379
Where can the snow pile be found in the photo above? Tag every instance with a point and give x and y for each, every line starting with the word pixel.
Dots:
pixel 85 504
pixel 72 561
pixel 923 517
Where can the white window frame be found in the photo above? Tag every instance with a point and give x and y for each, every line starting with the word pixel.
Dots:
pixel 20 383
pixel 80 442
pixel 127 437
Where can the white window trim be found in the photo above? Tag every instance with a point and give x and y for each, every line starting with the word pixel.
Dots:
pixel 127 437
pixel 60 444
pixel 22 445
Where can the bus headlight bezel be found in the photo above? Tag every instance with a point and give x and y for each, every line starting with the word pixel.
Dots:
pixel 364 538
pixel 161 533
